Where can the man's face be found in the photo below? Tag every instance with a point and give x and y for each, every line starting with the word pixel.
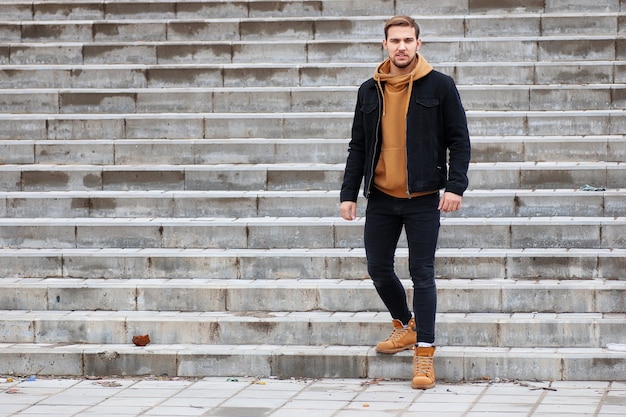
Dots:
pixel 402 46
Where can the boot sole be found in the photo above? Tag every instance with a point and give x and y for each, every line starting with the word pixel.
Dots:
pixel 423 386
pixel 396 350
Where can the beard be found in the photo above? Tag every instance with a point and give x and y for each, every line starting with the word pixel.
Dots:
pixel 404 64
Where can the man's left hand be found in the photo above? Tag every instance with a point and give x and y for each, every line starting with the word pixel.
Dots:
pixel 450 202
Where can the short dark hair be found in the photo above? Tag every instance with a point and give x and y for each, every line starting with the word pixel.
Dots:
pixel 402 20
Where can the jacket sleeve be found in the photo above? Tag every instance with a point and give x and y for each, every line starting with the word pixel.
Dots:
pixel 457 141
pixel 355 163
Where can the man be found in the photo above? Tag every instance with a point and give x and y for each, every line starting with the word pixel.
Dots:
pixel 409 141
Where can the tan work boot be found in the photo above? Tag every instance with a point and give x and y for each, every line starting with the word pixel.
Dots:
pixel 423 368
pixel 400 339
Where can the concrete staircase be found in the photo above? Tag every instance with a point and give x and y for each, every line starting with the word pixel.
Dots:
pixel 172 168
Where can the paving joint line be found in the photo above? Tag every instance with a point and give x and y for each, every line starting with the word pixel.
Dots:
pixel 476 401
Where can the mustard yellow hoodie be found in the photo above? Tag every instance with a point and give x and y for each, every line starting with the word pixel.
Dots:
pixel 390 175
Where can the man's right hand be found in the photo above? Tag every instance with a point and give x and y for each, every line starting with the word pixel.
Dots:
pixel 348 210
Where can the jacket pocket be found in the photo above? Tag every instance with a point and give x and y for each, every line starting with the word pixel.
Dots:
pixel 427 102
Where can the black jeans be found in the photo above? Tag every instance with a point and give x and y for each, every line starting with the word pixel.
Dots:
pixel 385 216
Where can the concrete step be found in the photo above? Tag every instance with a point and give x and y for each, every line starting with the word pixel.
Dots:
pixel 142 48
pixel 311 328
pixel 21 10
pixel 548 148
pixel 302 233
pixel 452 363
pixel 181 204
pixel 295 295
pixel 89 9
pixel 552 277
pixel 170 28
pixel 292 125
pixel 57 68
pixel 288 177
pixel 543 175
pixel 485 149
pixel 296 99
pixel 326 263
pixel 183 151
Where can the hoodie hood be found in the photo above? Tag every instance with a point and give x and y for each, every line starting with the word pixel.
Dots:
pixel 390 174
pixel 421 68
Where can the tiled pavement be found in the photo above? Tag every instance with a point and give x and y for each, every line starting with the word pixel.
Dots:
pixel 250 397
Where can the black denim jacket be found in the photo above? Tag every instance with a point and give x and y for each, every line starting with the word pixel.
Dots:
pixel 438 144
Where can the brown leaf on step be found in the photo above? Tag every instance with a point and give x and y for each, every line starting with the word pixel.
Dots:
pixel 141 340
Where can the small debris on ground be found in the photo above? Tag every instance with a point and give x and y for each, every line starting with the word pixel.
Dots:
pixel 141 340
pixel 108 384
pixel 588 187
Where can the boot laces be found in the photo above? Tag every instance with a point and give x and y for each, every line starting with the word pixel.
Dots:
pixel 397 334
pixel 423 365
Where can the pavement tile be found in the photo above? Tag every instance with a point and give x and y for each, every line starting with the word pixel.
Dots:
pixel 239 412
pixel 245 402
pixel 584 385
pixel 456 389
pixel 564 409
pixel 274 386
pixel 106 383
pixel 533 390
pixel 204 393
pixel 54 410
pixel 614 401
pixel 366 412
pixel 24 414
pixel 49 383
pixel 194 402
pixel 269 394
pixel 133 392
pixel 504 408
pixel 165 384
pixel 326 395
pixel 109 411
pixel 399 397
pixel 250 397
pixel 8 409
pixel 71 398
pixel 505 399
pixel 434 407
pixel 118 401
pixel 570 400
pixel 175 411
pixel 556 414
pixel 303 412
pixel 21 399
pixel 37 391
pixel 439 414
pixel 90 392
pixel 315 404
pixel 613 409
pixel 403 387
